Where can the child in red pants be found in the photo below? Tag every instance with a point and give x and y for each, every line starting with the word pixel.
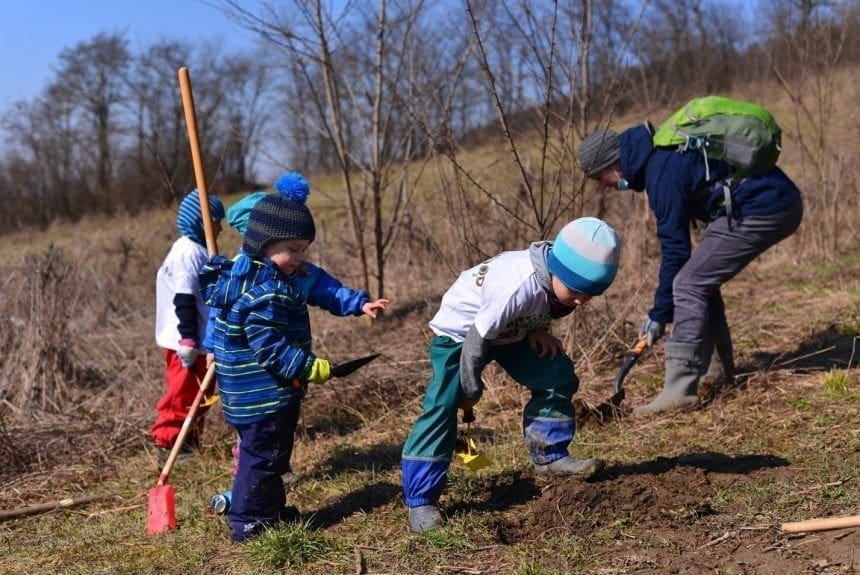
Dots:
pixel 180 321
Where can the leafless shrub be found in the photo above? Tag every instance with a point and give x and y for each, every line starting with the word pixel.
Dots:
pixel 10 454
pixel 38 370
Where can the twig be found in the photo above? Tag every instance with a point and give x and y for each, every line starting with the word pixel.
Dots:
pixel 831 484
pixel 360 565
pixel 795 359
pixel 50 506
pixel 115 510
pixel 459 569
pixel 718 540
pixel 853 349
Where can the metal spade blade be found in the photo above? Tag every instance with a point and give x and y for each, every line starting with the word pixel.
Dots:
pixel 347 367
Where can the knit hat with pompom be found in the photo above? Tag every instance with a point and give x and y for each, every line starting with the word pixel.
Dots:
pixel 280 216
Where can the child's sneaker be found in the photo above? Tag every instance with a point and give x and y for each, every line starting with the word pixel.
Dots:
pixel 567 466
pixel 424 518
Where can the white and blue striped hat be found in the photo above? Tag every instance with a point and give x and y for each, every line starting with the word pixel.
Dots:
pixel 189 220
pixel 584 256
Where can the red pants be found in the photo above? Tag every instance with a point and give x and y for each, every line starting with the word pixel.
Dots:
pixel 182 385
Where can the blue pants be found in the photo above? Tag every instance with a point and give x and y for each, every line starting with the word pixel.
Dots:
pixel 265 448
pixel 548 422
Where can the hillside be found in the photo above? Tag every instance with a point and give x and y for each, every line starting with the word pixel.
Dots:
pixel 699 492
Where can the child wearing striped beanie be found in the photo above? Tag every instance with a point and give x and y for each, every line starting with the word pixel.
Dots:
pixel 501 310
pixel 180 320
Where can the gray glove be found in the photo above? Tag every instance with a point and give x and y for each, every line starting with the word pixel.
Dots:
pixel 653 329
pixel 473 359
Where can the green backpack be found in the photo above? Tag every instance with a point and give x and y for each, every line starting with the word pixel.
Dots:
pixel 739 133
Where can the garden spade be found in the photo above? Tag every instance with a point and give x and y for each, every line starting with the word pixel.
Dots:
pixel 161 510
pixel 345 368
pixel 348 367
pixel 468 453
pixel 629 360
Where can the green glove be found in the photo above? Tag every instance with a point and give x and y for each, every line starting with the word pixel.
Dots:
pixel 320 371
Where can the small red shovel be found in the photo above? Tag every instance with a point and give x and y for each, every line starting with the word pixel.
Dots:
pixel 161 511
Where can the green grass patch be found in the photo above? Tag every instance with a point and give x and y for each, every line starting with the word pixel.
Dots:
pixel 291 545
pixel 799 403
pixel 837 384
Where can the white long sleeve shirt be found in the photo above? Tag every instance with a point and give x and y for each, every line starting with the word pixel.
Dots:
pixel 178 274
pixel 501 297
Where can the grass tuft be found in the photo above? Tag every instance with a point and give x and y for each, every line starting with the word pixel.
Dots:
pixel 837 384
pixel 291 545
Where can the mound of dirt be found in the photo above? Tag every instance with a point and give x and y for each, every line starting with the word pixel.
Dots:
pixel 668 514
pixel 673 491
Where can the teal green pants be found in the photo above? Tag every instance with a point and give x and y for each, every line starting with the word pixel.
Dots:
pixel 548 423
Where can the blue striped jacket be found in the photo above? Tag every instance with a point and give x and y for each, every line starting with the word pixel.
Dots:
pixel 261 336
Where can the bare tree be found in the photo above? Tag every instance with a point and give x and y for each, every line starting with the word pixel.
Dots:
pixel 92 79
pixel 161 151
pixel 352 69
pixel 808 40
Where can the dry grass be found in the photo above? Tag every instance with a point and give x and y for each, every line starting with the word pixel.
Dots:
pixel 79 376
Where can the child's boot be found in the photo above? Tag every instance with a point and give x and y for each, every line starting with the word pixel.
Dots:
pixel 567 466
pixel 424 518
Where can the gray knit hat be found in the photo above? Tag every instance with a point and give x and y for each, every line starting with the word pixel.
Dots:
pixel 599 150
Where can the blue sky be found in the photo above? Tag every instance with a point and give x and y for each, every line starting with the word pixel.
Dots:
pixel 34 32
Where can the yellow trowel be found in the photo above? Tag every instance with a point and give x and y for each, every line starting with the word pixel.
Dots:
pixel 466 449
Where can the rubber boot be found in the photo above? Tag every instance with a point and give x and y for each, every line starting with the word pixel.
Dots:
pixel 424 518
pixel 567 466
pixel 683 362
pixel 719 370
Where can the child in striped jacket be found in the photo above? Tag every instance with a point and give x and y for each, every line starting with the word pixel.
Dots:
pixel 261 339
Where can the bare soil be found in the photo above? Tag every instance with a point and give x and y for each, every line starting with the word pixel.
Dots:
pixel 660 514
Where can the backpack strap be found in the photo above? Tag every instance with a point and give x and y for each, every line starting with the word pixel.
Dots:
pixel 728 185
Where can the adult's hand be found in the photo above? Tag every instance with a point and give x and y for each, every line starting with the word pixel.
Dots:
pixel 654 330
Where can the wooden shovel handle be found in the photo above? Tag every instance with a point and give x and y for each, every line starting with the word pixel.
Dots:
pixel 186 425
pixel 197 158
pixel 211 246
pixel 821 524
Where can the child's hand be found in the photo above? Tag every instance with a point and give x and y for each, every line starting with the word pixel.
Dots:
pixel 320 371
pixel 544 343
pixel 187 352
pixel 371 307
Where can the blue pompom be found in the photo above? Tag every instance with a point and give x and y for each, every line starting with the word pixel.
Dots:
pixel 294 186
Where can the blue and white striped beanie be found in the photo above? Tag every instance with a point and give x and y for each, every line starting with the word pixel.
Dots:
pixel 189 220
pixel 584 256
pixel 280 216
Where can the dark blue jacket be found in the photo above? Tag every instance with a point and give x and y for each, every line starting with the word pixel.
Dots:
pixel 675 182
